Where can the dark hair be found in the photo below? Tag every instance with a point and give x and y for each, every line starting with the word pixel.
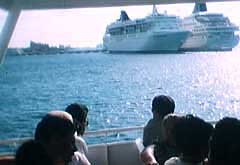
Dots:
pixel 32 153
pixel 78 111
pixel 168 124
pixel 225 142
pixel 79 114
pixel 192 135
pixel 163 105
pixel 53 127
pixel 170 119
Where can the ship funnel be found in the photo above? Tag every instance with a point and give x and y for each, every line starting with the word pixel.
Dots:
pixel 199 7
pixel 124 16
pixel 154 11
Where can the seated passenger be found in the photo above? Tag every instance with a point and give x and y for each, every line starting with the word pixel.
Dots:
pixel 79 114
pixel 32 153
pixel 225 142
pixel 161 106
pixel 191 136
pixel 160 152
pixel 55 132
pixel 167 148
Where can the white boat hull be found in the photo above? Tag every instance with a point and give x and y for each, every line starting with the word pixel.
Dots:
pixel 169 41
pixel 211 42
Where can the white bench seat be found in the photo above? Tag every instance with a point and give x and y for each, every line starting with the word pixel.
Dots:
pixel 117 153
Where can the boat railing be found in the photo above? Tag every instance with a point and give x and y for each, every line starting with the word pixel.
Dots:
pixel 113 130
pixel 103 132
pixel 103 135
pixel 115 134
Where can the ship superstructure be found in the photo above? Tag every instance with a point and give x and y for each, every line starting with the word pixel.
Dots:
pixel 154 33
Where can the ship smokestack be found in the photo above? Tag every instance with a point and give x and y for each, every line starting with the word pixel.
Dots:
pixel 199 7
pixel 124 16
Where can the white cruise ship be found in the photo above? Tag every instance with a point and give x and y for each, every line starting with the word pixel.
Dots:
pixel 209 31
pixel 154 33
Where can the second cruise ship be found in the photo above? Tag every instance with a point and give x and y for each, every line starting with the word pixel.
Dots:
pixel 209 31
pixel 154 33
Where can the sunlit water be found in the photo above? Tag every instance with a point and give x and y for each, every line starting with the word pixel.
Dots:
pixel 118 89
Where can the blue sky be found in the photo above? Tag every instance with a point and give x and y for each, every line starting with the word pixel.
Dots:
pixel 85 27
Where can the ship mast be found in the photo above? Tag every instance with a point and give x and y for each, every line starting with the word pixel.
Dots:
pixel 154 10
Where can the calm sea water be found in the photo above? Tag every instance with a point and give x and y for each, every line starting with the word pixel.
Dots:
pixel 118 89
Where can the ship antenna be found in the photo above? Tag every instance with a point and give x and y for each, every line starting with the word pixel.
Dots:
pixel 154 11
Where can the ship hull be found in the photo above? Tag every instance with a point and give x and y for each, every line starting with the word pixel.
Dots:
pixel 146 42
pixel 222 43
pixel 211 42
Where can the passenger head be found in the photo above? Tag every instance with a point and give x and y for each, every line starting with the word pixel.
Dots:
pixel 32 153
pixel 225 142
pixel 56 133
pixel 168 124
pixel 191 136
pixel 162 105
pixel 79 113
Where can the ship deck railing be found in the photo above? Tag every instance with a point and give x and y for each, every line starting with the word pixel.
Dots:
pixel 104 133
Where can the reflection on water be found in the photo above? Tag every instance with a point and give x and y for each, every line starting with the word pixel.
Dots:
pixel 118 89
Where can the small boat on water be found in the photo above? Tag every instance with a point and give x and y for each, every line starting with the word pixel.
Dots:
pixel 209 31
pixel 154 33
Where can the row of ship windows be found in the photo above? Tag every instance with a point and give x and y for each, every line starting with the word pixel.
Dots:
pixel 208 24
pixel 129 29
pixel 137 28
pixel 204 29
pixel 198 30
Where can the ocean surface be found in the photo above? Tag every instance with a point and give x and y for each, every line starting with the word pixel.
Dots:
pixel 117 88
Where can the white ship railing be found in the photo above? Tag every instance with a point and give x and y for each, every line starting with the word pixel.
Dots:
pixel 103 132
pixel 113 130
